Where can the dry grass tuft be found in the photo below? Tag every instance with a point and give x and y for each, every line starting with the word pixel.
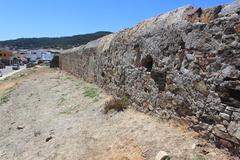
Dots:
pixel 116 104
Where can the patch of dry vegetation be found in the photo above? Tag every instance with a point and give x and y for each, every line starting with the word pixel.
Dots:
pixel 4 99
pixel 116 104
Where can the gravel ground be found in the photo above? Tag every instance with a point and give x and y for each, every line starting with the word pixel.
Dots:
pixel 46 115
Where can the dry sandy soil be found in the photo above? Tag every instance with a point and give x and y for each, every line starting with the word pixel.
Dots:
pixel 46 115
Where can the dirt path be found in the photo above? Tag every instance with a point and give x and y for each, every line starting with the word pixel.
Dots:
pixel 45 114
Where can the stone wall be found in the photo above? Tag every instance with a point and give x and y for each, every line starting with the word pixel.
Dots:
pixel 182 64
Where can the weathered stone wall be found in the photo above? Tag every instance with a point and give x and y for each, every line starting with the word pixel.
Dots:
pixel 182 64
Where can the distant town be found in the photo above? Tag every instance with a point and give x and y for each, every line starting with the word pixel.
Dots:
pixel 12 60
pixel 18 54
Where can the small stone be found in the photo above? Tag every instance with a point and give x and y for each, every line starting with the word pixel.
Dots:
pixel 49 138
pixel 150 107
pixel 20 127
pixel 236 116
pixel 234 129
pixel 228 71
pixel 220 127
pixel 190 57
pixel 225 123
pixel 162 155
pixel 200 127
pixel 224 116
pixel 194 146
pixel 224 143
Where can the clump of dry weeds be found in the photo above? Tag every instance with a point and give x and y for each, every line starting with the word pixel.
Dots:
pixel 116 105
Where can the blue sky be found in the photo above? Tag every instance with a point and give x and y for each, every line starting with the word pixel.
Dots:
pixel 54 18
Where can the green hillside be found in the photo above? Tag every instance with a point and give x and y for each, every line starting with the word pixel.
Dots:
pixel 55 43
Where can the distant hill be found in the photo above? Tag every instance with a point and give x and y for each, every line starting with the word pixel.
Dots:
pixel 55 43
